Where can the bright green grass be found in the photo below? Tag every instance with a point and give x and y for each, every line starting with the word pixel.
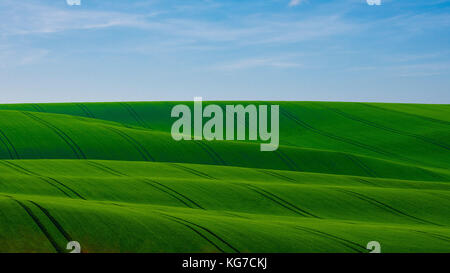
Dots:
pixel 110 176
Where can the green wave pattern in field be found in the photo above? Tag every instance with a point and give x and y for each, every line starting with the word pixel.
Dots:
pixel 110 176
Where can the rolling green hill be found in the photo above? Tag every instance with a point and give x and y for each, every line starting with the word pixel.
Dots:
pixel 110 176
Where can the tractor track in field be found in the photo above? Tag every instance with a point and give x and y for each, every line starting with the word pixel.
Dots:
pixel 407 114
pixel 171 192
pixel 54 221
pixel 276 175
pixel 339 138
pixel 72 144
pixel 38 108
pixel 280 201
pixel 443 196
pixel 174 191
pixel 9 146
pixel 27 172
pixel 210 151
pixel 205 229
pixel 286 160
pixel 41 226
pixel 365 182
pixel 67 187
pixel 360 164
pixel 85 110
pixel 168 193
pixel 135 115
pixel 344 242
pixel 18 168
pixel 197 232
pixel 104 168
pixel 434 235
pixel 388 129
pixel 192 171
pixel 138 146
pixel 385 206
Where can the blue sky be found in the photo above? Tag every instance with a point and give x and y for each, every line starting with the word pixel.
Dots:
pixel 136 50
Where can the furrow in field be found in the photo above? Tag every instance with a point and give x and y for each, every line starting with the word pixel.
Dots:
pixel 133 113
pixel 141 149
pixel 277 175
pixel 385 206
pixel 18 168
pixel 210 151
pixel 85 110
pixel 191 170
pixel 280 201
pixel 388 129
pixel 205 229
pixel 54 221
pixel 360 164
pixel 438 236
pixel 43 229
pixel 175 192
pixel 169 193
pixel 288 161
pixel 9 146
pixel 67 187
pixel 104 168
pixel 406 114
pixel 75 148
pixel 38 108
pixel 346 243
pixel 197 232
pixel 341 139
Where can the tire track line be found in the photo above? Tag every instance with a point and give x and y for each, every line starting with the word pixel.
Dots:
pixel 294 165
pixel 347 243
pixel 360 164
pixel 43 229
pixel 434 235
pixel 8 144
pixel 133 113
pixel 38 108
pixel 385 206
pixel 67 187
pixel 281 202
pixel 54 221
pixel 197 232
pixel 174 191
pixel 408 114
pixel 339 138
pixel 205 229
pixel 192 171
pixel 168 193
pixel 141 149
pixel 75 148
pixel 213 154
pixel 276 175
pixel 388 129
pixel 365 182
pixel 40 177
pixel 85 110
pixel 105 168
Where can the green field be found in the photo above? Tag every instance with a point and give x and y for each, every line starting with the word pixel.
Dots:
pixel 110 176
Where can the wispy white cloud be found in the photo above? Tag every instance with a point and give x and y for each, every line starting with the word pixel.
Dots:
pixel 22 18
pixel 13 56
pixel 257 63
pixel 294 3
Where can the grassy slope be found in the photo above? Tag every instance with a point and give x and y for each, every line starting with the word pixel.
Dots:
pixel 346 174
